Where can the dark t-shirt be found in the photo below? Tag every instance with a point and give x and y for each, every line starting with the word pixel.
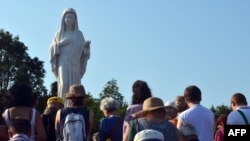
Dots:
pixel 111 127
pixel 48 118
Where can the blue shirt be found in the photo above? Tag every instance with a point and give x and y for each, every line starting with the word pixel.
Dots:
pixel 111 127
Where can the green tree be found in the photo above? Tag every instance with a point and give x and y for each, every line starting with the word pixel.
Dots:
pixel 53 89
pixel 94 105
pixel 221 109
pixel 16 66
pixel 112 90
pixel 43 98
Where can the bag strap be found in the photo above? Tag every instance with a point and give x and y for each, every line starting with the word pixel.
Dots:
pixel 243 116
pixel 134 128
pixel 137 125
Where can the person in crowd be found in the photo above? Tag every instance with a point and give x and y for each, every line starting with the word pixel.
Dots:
pixel 69 53
pixel 76 104
pixel 96 137
pixel 189 133
pixel 149 135
pixel 197 115
pixel 3 130
pixel 220 122
pixel 23 107
pixel 152 116
pixel 141 91
pixel 241 112
pixel 111 125
pixel 181 106
pixel 19 129
pixel 171 111
pixel 49 115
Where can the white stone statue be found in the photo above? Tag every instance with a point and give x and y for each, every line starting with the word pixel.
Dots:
pixel 69 53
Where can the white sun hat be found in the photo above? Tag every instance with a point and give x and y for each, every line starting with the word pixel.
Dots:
pixel 170 103
pixel 149 134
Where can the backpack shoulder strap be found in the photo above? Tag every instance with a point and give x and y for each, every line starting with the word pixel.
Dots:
pixel 63 113
pixel 134 128
pixel 243 116
pixel 137 125
pixel 33 117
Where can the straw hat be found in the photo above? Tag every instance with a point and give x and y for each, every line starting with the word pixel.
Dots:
pixel 75 90
pixel 55 99
pixel 150 104
pixel 149 134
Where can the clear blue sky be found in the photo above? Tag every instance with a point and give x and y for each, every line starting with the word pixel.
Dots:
pixel 171 44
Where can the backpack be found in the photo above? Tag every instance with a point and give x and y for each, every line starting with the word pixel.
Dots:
pixel 73 126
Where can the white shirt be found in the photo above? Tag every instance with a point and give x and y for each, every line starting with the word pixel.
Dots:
pixel 202 119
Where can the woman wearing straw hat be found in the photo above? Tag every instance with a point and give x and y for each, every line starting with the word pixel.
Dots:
pixel 153 116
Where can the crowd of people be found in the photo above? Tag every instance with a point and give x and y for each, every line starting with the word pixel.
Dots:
pixel 146 118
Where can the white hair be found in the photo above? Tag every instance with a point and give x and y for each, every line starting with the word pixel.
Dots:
pixel 109 104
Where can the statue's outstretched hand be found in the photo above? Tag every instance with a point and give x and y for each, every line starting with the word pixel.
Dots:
pixel 87 44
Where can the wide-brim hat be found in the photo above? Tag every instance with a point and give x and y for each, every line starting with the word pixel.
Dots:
pixel 150 104
pixel 75 91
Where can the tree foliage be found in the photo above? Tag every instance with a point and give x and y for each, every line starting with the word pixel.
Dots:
pixel 112 90
pixel 94 105
pixel 221 109
pixel 53 89
pixel 16 66
pixel 42 102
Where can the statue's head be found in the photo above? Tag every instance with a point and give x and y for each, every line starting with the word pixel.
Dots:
pixel 69 17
